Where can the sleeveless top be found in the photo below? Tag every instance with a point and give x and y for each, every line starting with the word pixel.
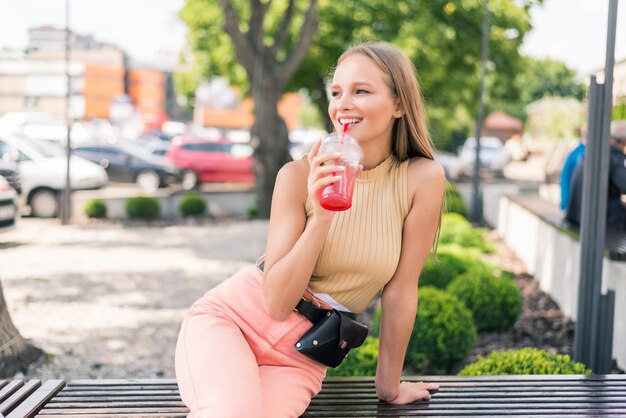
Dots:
pixel 362 248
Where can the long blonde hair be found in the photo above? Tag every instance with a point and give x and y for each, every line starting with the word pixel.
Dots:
pixel 410 137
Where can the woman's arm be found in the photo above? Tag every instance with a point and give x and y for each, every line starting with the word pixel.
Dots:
pixel 293 245
pixel 426 181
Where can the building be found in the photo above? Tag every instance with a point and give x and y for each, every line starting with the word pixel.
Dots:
pixel 37 80
pixel 502 125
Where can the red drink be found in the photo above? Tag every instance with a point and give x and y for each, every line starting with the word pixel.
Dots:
pixel 338 195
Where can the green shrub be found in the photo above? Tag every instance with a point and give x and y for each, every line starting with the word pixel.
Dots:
pixel 360 361
pixel 142 207
pixel 192 204
pixel 95 208
pixel 523 361
pixel 454 203
pixel 440 269
pixel 495 302
pixel 443 333
pixel 455 229
pixel 253 210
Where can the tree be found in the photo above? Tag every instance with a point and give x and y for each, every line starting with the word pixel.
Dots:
pixel 270 49
pixel 15 352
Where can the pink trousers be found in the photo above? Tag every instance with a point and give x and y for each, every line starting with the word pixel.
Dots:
pixel 234 360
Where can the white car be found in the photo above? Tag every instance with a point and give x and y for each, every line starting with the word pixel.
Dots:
pixel 8 205
pixel 451 164
pixel 43 169
pixel 493 155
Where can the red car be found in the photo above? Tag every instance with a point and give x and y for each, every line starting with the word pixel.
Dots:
pixel 204 161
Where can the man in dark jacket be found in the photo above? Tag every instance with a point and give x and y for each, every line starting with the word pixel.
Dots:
pixel 615 210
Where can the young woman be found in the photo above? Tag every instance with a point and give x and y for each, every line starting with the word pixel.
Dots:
pixel 235 355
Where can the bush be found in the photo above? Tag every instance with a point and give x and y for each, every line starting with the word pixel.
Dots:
pixel 443 333
pixel 142 207
pixel 192 204
pixel 440 269
pixel 95 208
pixel 455 229
pixel 360 361
pixel 495 302
pixel 523 361
pixel 454 203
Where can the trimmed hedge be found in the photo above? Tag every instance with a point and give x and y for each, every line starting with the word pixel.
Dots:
pixel 495 302
pixel 441 268
pixel 142 207
pixel 454 203
pixel 443 333
pixel 455 229
pixel 523 361
pixel 192 204
pixel 361 361
pixel 95 208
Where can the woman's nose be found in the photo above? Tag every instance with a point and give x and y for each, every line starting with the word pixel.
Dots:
pixel 345 102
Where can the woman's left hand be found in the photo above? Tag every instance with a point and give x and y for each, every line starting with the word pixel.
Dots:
pixel 413 391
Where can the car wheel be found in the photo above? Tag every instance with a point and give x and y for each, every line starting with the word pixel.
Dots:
pixel 148 181
pixel 44 203
pixel 190 180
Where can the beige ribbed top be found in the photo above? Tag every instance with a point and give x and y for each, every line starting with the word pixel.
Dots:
pixel 362 248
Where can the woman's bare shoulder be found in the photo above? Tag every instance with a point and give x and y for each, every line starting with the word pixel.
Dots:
pixel 424 169
pixel 426 175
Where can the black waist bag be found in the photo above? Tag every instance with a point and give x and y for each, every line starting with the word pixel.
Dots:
pixel 331 337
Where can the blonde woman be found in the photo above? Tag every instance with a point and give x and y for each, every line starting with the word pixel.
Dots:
pixel 235 355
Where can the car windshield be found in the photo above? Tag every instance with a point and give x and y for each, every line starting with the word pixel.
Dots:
pixel 136 151
pixel 44 148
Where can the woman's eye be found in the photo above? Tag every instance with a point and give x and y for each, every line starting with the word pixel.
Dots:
pixel 361 91
pixel 334 94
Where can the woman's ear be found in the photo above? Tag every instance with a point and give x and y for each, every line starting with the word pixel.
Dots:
pixel 398 113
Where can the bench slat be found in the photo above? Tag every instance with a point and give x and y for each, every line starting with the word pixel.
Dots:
pixel 37 399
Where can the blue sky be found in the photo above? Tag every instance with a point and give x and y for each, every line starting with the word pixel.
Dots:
pixel 573 31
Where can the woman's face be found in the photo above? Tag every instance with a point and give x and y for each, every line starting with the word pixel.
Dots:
pixel 361 97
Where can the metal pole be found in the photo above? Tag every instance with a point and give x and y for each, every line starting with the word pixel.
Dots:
pixel 593 309
pixel 66 200
pixel 477 207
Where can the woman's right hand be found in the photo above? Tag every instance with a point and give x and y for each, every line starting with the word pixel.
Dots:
pixel 322 172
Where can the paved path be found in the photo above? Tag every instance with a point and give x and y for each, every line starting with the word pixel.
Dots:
pixel 106 300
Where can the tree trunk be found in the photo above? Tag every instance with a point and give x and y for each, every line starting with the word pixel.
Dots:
pixel 15 352
pixel 271 138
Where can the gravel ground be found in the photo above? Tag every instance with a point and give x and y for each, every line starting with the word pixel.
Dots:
pixel 106 300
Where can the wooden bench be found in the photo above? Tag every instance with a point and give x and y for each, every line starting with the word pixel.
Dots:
pixel 489 396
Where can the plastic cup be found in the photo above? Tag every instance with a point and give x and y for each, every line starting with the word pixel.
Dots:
pixel 337 196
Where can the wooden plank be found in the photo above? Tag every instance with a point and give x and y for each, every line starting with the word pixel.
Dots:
pixel 19 396
pixel 9 389
pixel 31 405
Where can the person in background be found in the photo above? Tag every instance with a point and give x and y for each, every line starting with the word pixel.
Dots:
pixel 615 209
pixel 572 160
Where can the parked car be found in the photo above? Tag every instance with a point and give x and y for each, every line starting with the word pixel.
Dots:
pixel 8 205
pixel 206 161
pixel 8 167
pixel 42 168
pixel 493 156
pixel 129 163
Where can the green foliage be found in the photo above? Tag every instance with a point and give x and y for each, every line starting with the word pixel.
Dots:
pixel 523 361
pixel 441 268
pixel 443 333
pixel 361 361
pixel 455 229
pixel 439 37
pixel 453 201
pixel 495 302
pixel 142 207
pixel 95 208
pixel 253 210
pixel 192 204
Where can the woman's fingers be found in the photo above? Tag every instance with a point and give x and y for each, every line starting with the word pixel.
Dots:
pixel 414 391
